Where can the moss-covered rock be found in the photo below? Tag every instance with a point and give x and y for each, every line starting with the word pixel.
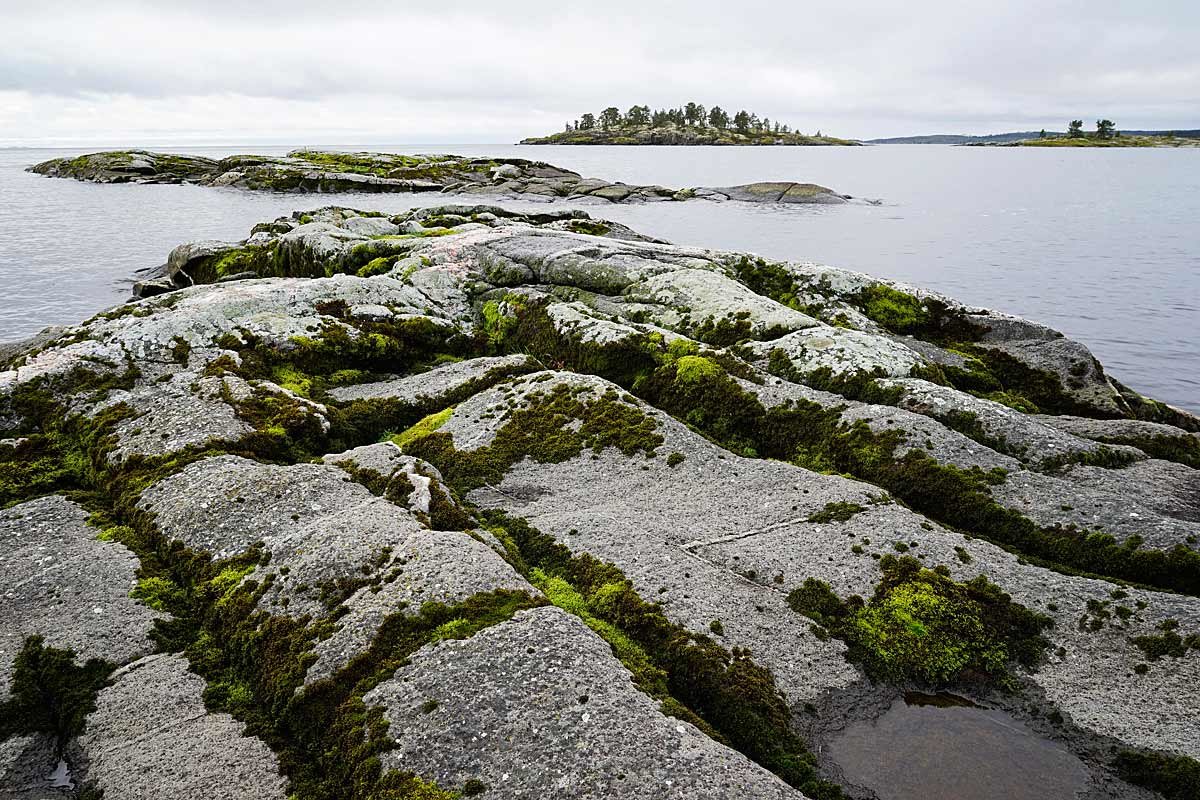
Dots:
pixel 399 450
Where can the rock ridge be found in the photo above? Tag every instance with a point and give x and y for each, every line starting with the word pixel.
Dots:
pixel 315 171
pixel 466 501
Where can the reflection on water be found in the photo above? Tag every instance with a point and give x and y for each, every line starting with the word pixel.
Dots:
pixel 1100 243
pixel 944 747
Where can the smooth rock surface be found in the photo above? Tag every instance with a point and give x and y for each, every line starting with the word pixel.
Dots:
pixel 64 584
pixel 150 736
pixel 539 706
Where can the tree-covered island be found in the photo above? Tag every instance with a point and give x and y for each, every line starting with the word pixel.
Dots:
pixel 690 124
pixel 1105 135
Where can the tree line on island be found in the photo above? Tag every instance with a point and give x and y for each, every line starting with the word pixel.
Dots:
pixel 691 115
pixel 1105 129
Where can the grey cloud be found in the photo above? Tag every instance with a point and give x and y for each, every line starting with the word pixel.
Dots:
pixel 869 68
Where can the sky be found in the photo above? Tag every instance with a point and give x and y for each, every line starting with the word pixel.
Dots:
pixel 174 71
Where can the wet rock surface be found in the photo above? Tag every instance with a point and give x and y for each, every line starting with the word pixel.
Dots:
pixel 27 766
pixel 392 494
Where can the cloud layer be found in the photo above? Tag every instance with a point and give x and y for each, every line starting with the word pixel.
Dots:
pixel 459 71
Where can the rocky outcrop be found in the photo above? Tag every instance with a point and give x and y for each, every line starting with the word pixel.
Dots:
pixel 130 166
pixel 471 501
pixel 312 171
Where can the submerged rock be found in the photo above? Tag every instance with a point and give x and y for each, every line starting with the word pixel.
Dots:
pixel 779 193
pixel 464 500
pixel 308 171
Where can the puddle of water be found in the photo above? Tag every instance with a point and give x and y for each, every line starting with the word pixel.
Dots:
pixel 61 777
pixel 944 747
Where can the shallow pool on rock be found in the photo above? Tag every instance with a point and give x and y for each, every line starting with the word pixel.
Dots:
pixel 941 747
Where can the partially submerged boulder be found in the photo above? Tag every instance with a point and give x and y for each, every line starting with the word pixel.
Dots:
pixel 778 192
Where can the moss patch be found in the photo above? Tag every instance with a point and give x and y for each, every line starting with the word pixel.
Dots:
pixel 51 693
pixel 920 625
pixel 1174 777
pixel 550 427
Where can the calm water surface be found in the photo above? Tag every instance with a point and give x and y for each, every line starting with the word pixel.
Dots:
pixel 1101 244
pixel 924 748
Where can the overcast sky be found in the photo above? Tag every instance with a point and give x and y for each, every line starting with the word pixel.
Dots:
pixel 119 71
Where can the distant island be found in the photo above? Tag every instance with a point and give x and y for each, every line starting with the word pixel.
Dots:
pixel 690 124
pixel 1105 135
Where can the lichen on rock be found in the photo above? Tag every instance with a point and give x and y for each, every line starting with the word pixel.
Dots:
pixel 467 500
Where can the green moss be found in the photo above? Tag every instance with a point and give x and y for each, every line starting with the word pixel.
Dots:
pixel 1168 642
pixel 1043 390
pixel 225 582
pixel 839 511
pixel 550 428
pixel 1183 449
pixel 180 350
pixel 771 280
pixel 50 693
pixel 922 626
pixel 1173 776
pixel 423 428
pixel 496 325
pixel 895 310
pixel 473 787
pixel 159 593
pixel 589 226
pixel 454 629
pixel 691 369
pixel 292 379
pixel 727 330
pixel 261 261
pixel 377 266
pixel 41 465
pixel 562 594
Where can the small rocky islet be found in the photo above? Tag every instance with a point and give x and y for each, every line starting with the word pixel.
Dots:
pixel 314 171
pixel 465 501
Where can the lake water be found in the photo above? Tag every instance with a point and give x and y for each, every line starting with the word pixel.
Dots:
pixel 1101 244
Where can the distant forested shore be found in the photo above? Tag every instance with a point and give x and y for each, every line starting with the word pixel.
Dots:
pixel 1073 136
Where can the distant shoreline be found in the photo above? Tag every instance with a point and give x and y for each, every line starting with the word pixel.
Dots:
pixel 1036 138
